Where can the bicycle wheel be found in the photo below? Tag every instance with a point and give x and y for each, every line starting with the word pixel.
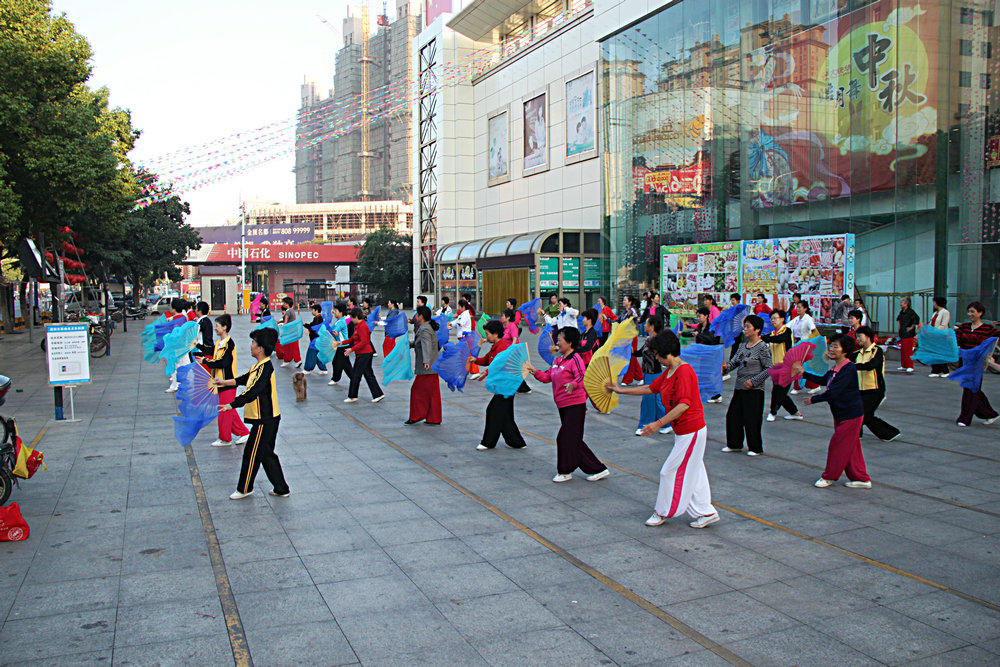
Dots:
pixel 6 485
pixel 98 344
pixel 118 316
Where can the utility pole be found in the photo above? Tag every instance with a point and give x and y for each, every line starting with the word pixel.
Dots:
pixel 243 248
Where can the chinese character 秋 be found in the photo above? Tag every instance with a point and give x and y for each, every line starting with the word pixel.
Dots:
pixel 869 57
pixel 897 89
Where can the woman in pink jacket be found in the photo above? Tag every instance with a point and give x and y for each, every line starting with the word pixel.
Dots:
pixel 566 376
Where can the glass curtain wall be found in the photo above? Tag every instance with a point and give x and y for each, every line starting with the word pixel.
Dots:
pixel 759 119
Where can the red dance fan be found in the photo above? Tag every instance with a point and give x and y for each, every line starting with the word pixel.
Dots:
pixel 781 373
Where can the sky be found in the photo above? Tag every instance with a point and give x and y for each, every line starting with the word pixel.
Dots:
pixel 195 71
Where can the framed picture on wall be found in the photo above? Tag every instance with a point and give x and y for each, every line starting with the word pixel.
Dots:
pixel 535 133
pixel 581 115
pixel 498 153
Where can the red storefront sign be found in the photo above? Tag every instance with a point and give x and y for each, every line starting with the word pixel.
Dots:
pixel 336 254
pixel 687 181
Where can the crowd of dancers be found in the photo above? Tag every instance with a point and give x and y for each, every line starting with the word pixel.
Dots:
pixel 846 371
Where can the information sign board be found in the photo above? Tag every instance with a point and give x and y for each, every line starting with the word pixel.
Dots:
pixel 67 350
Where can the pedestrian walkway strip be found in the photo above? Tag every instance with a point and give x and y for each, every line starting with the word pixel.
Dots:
pixel 792 531
pixel 617 587
pixel 234 626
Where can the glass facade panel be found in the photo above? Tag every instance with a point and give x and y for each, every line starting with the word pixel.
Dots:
pixel 777 119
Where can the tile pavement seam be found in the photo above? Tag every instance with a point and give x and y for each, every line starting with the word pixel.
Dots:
pixel 796 533
pixel 716 648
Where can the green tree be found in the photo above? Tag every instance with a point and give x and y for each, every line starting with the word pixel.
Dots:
pixel 385 262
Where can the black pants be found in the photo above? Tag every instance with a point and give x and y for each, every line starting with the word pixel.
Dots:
pixel 363 367
pixel 500 421
pixel 975 403
pixel 571 451
pixel 781 399
pixel 881 429
pixel 524 388
pixel 940 369
pixel 259 451
pixel 341 365
pixel 745 418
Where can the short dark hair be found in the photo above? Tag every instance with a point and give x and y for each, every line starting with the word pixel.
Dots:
pixel 703 310
pixel 226 321
pixel 867 331
pixel 462 303
pixel 571 335
pixel 780 313
pixel 761 295
pixel 590 314
pixel 288 301
pixel 509 314
pixel 494 327
pixel 266 338
pixel 512 301
pixel 422 300
pixel 653 294
pixel 177 304
pixel 857 314
pixel 357 313
pixel 444 299
pixel 317 307
pixel 427 316
pixel 977 306
pixel 203 308
pixel 341 308
pixel 756 321
pixel 656 322
pixel 736 296
pixel 858 299
pixel 846 343
pixel 630 298
pixel 941 301
pixel 796 295
pixel 565 301
pixel 845 296
pixel 666 344
pixel 709 297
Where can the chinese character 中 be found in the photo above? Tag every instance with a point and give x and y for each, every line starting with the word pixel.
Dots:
pixel 868 58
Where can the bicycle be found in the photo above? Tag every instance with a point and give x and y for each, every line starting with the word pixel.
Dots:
pixel 8 457
pixel 100 335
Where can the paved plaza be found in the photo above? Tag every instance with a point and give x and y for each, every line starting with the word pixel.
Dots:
pixel 403 545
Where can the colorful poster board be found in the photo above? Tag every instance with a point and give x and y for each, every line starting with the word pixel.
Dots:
pixel 581 116
pixel 548 272
pixel 820 268
pixel 571 273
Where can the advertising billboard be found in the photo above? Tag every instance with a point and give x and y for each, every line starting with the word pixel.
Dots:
pixel 688 271
pixel 277 234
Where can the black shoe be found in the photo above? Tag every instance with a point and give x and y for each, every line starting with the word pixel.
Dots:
pixel 517 446
pixel 410 422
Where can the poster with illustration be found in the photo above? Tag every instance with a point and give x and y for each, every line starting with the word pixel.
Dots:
pixel 689 271
pixel 498 147
pixel 580 115
pixel 535 134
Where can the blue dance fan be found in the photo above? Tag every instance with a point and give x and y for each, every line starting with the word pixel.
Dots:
pixel 326 346
pixel 970 374
pixel 580 325
pixel 529 314
pixel 936 346
pixel 397 364
pixel 395 323
pixel 373 318
pixel 508 370
pixel 546 340
pixel 327 311
pixel 290 332
pixel 177 344
pixel 768 327
pixel 451 363
pixel 198 402
pixel 818 365
pixel 442 330
pixel 706 361
pixel 267 323
pixel 728 324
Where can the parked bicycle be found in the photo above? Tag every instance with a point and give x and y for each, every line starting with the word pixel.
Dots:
pixel 8 457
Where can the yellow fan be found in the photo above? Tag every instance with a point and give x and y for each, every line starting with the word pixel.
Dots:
pixel 608 364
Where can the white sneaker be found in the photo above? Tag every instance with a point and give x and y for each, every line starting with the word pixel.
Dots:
pixel 794 392
pixel 236 495
pixel 221 443
pixel 666 429
pixel 272 492
pixel 562 478
pixel 909 370
pixel 934 375
pixel 171 390
pixel 376 400
pixel 307 372
pixel 990 421
pixel 944 375
pixel 961 424
pixel 796 418
pixel 822 483
pixel 901 369
pixel 599 476
pixel 284 363
pixel 299 365
pixel 704 521
pixel 242 440
pixel 715 399
pixel 858 485
pixel 726 377
pixel 482 447
pixel 752 453
pixel 333 382
pixel 727 450
pixel 475 376
pixel 350 400
pixel 656 520
pixel 816 390
pixel 638 431
pixel 640 383
pixel 770 418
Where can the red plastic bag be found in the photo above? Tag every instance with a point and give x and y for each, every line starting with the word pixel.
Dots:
pixel 13 527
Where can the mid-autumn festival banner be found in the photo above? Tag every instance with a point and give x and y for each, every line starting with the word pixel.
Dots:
pixel 845 107
pixel 819 268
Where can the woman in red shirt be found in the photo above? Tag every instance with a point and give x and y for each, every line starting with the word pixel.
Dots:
pixel 761 305
pixel 684 483
pixel 606 316
pixel 360 343
pixel 500 411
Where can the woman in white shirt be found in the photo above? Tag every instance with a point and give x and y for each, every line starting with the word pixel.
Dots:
pixel 462 322
pixel 803 326
pixel 859 304
pixel 445 308
pixel 941 319
pixel 566 317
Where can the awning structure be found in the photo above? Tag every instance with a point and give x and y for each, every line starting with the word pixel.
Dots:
pixel 478 19
pixel 511 248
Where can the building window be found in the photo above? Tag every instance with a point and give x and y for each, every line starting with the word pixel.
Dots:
pixel 986 49
pixel 965 79
pixel 984 81
pixel 965 47
pixel 963 110
pixel 967 15
pixel 988 18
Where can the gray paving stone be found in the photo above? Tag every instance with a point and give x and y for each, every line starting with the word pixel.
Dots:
pixel 408 532
pixel 504 544
pixel 635 638
pixel 293 605
pixel 436 553
pixel 889 636
pixel 76 632
pixel 347 565
pixel 498 615
pixel 375 595
pixel 967 656
pixel 378 638
pixel 88 659
pixel 538 646
pixel 961 618
pixel 268 575
pixel 204 650
pixel 167 621
pixel 461 582
pixel 802 646
pixel 167 586
pixel 300 644
pixel 34 600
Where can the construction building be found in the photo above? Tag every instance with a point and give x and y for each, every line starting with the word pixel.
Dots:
pixel 353 143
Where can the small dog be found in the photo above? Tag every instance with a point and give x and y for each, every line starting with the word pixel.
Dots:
pixel 299 384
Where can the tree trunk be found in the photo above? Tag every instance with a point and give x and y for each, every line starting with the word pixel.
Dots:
pixel 7 307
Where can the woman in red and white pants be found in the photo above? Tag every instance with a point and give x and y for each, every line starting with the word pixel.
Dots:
pixel 223 365
pixel 908 323
pixel 684 483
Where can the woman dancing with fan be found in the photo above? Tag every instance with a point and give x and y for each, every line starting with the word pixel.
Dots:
pixel 260 403
pixel 589 340
pixel 312 353
pixel 566 376
pixel 500 410
pixel 651 409
pixel 343 328
pixel 780 341
pixel 360 343
pixel 389 342
pixel 511 334
pixel 746 409
pixel 634 371
pixel 425 392
pixel 223 366
pixel 684 483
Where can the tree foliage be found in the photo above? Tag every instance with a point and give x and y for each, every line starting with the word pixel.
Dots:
pixel 385 262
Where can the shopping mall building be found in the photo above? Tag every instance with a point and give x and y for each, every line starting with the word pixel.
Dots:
pixel 703 147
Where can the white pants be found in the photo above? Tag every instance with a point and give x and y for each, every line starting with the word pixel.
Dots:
pixel 683 479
